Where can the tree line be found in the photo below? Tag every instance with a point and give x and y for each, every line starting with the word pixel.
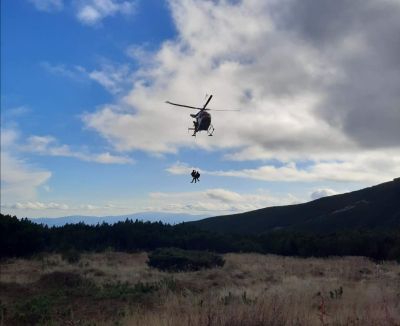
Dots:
pixel 22 237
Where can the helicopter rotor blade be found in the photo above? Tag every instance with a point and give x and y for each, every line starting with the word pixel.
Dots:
pixel 201 109
pixel 222 110
pixel 185 106
pixel 208 101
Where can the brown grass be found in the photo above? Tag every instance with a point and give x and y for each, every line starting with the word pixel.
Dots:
pixel 251 289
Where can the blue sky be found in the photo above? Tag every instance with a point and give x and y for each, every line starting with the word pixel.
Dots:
pixel 85 129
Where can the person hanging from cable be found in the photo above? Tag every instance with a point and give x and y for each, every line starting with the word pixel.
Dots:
pixel 195 175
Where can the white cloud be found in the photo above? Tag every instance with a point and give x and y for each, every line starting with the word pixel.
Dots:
pixel 107 158
pixel 181 168
pixel 89 207
pixel 363 168
pixel 92 12
pixel 77 73
pixel 89 12
pixel 48 145
pixel 120 124
pixel 15 112
pixel 223 195
pixel 259 56
pixel 217 201
pixel 112 77
pixel 19 179
pixel 141 54
pixel 36 205
pixel 48 5
pixel 319 193
pixel 8 138
pixel 62 208
pixel 115 78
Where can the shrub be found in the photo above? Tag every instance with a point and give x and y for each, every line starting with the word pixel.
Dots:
pixel 174 259
pixel 125 291
pixel 61 280
pixel 36 310
pixel 72 256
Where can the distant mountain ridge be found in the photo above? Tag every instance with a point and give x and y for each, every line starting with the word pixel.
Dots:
pixel 169 218
pixel 376 207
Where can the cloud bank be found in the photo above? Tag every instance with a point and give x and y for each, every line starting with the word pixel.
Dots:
pixel 316 81
pixel 217 201
pixel 362 169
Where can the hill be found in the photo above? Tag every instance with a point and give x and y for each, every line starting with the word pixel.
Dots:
pixel 168 218
pixel 372 208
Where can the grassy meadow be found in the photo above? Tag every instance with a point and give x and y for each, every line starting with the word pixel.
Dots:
pixel 114 288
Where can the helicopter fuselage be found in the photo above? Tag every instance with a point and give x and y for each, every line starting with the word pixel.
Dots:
pixel 203 120
pixel 202 117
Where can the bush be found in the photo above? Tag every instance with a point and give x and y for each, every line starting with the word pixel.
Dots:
pixel 175 260
pixel 34 311
pixel 61 280
pixel 72 256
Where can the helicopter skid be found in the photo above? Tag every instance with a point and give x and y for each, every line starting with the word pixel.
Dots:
pixel 194 131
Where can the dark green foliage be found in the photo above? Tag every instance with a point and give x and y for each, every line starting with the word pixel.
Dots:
pixel 174 259
pixel 134 235
pixel 72 256
pixel 34 311
pixel 127 292
pixel 3 310
pixel 59 285
pixel 53 299
pixel 20 237
pixel 62 280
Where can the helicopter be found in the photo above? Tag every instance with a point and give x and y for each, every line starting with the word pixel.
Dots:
pixel 202 118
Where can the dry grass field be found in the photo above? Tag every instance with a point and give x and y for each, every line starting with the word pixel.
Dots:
pixel 115 288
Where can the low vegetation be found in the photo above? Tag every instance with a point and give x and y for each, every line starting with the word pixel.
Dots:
pixel 71 255
pixel 102 275
pixel 115 288
pixel 178 260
